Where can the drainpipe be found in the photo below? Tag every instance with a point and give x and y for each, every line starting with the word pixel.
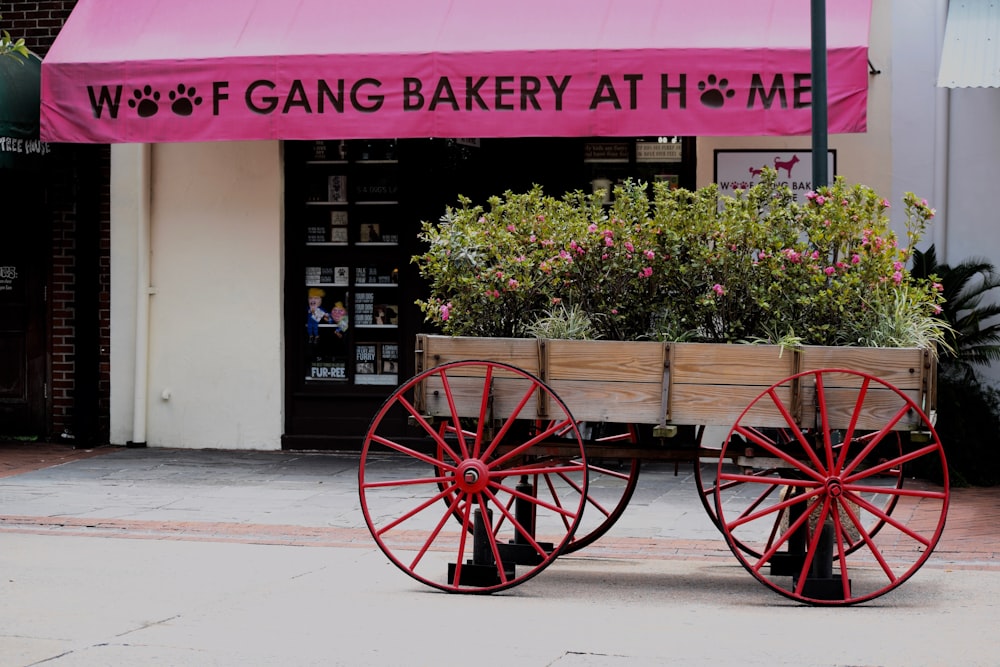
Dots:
pixel 942 147
pixel 142 292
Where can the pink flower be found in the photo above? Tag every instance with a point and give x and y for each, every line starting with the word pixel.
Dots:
pixel 897 266
pixel 532 238
pixel 608 241
pixel 855 258
pixel 604 256
pixel 646 272
pixel 649 254
pixel 938 287
pixel 820 199
pixel 897 277
pixel 886 204
pixel 937 310
pixel 629 246
pixel 512 283
pixel 829 270
pixel 446 311
pixel 511 228
pixel 592 228
pixel 614 311
pixel 718 289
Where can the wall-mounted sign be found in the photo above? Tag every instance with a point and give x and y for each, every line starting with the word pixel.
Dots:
pixel 605 152
pixel 648 151
pixel 8 276
pixel 739 169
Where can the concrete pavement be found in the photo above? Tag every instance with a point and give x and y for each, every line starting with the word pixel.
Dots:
pixel 179 557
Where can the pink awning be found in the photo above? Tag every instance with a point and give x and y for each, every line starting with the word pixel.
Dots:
pixel 192 70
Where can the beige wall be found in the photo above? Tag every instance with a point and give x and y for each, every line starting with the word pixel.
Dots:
pixel 215 315
pixel 861 158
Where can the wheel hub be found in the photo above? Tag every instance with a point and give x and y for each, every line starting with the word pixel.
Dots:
pixel 834 487
pixel 473 476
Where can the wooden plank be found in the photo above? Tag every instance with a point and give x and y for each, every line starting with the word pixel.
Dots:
pixel 615 402
pixel 601 360
pixel 519 352
pixel 900 367
pixel 720 364
pixel 713 405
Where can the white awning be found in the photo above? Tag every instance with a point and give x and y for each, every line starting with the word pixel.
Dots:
pixel 971 54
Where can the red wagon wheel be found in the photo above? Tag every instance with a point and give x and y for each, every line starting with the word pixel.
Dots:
pixel 890 448
pixel 809 515
pixel 484 474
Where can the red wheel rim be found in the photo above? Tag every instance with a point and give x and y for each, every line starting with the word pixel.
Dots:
pixel 412 489
pixel 830 524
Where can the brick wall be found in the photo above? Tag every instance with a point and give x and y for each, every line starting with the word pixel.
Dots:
pixel 76 238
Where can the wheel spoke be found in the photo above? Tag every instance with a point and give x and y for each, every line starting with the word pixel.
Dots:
pixel 855 498
pixel 794 500
pixel 517 525
pixel 417 510
pixel 433 535
pixel 403 449
pixel 791 461
pixel 456 419
pixel 540 503
pixel 871 445
pixel 859 405
pixel 520 449
pixel 817 533
pixel 894 463
pixel 796 431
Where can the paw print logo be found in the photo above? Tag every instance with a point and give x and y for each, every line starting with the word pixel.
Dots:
pixel 184 100
pixel 145 101
pixel 715 92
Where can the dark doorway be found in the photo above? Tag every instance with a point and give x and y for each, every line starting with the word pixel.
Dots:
pixel 24 258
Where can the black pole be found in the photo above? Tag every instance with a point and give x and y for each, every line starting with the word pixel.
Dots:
pixel 820 177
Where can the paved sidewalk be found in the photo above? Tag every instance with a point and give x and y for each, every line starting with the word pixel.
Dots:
pixel 310 498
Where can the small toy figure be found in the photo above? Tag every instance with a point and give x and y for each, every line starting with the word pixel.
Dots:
pixel 338 315
pixel 315 314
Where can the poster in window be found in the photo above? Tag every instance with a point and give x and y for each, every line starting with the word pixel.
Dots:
pixel 337 188
pixel 370 233
pixel 326 325
pixel 389 359
pixel 365 360
pixel 384 314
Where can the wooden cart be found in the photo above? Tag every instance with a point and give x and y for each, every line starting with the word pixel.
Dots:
pixel 527 449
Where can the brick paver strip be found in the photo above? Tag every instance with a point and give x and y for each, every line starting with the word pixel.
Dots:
pixel 971 538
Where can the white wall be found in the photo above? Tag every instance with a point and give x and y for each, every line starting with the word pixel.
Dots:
pixel 215 339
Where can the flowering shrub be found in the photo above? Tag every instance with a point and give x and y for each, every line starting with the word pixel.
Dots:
pixel 684 265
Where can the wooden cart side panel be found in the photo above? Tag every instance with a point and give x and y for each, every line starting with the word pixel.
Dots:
pixel 605 361
pixel 901 367
pixel 467 393
pixel 616 402
pixel 722 405
pixel 719 364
